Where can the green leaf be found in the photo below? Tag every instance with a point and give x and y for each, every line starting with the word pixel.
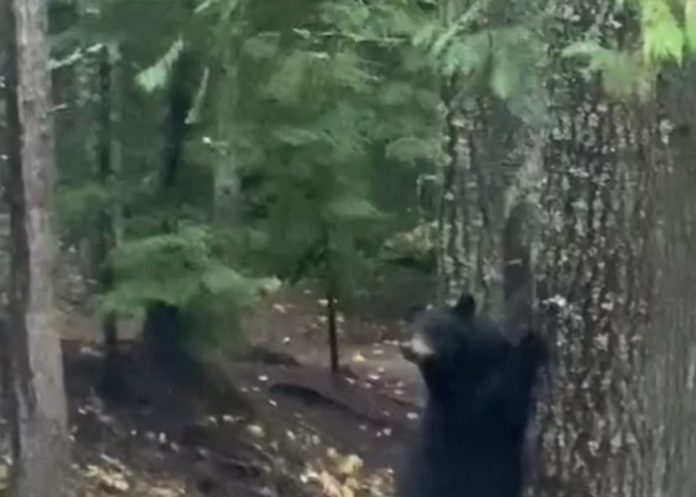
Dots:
pixel 424 37
pixel 443 40
pixel 581 48
pixel 409 149
pixel 155 77
pixel 262 46
pixel 663 39
pixel 295 136
pixel 287 81
pixel 467 55
pixel 395 93
pixel 194 114
pixel 353 209
pixel 219 279
pixel 690 23
pixel 71 59
pixel 345 17
pixel 623 73
pixel 505 74
pixel 174 268
pixel 347 71
pixel 203 6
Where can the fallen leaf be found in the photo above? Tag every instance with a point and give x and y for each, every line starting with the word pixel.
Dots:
pixel 358 358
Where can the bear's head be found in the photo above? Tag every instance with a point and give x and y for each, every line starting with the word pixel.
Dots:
pixel 453 347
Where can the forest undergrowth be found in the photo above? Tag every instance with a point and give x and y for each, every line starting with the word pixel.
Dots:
pixel 271 422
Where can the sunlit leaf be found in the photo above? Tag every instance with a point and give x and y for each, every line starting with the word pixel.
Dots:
pixel 155 77
pixel 690 23
pixel 663 39
pixel 353 208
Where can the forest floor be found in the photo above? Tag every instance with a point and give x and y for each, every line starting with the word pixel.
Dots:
pixel 272 423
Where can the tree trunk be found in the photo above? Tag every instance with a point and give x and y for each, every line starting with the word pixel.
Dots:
pixel 596 274
pixel 6 391
pixel 180 99
pixel 331 323
pixel 482 155
pixel 673 370
pixel 226 203
pixel 108 236
pixel 40 431
pixel 163 322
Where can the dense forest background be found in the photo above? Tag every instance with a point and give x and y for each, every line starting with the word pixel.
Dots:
pixel 257 192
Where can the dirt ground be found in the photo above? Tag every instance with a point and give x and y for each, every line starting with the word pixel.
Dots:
pixel 266 427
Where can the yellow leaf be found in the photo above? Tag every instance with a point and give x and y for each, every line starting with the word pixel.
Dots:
pixel 358 358
pixel 331 487
pixel 350 465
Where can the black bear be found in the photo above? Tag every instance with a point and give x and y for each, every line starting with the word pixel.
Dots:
pixel 480 398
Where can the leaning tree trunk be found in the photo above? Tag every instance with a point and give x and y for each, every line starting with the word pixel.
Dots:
pixel 40 432
pixel 596 267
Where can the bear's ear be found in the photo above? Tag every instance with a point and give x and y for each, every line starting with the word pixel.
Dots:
pixel 465 306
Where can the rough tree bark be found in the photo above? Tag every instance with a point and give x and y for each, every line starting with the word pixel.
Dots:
pixel 485 150
pixel 596 276
pixel 226 182
pixel 40 432
pixel 673 370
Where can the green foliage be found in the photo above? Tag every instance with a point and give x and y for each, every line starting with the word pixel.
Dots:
pixel 667 28
pixel 351 208
pixel 73 204
pixel 323 110
pixel 690 24
pixel 507 60
pixel 155 77
pixel 663 38
pixel 411 149
pixel 174 268
pixel 317 116
pixel 623 73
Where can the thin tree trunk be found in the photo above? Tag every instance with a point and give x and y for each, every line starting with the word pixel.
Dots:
pixel 40 431
pixel 164 328
pixel 332 327
pixel 481 149
pixel 108 236
pixel 330 280
pixel 454 250
pixel 226 201
pixel 518 281
pixel 6 391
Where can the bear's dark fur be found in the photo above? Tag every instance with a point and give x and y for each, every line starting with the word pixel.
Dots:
pixel 479 404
